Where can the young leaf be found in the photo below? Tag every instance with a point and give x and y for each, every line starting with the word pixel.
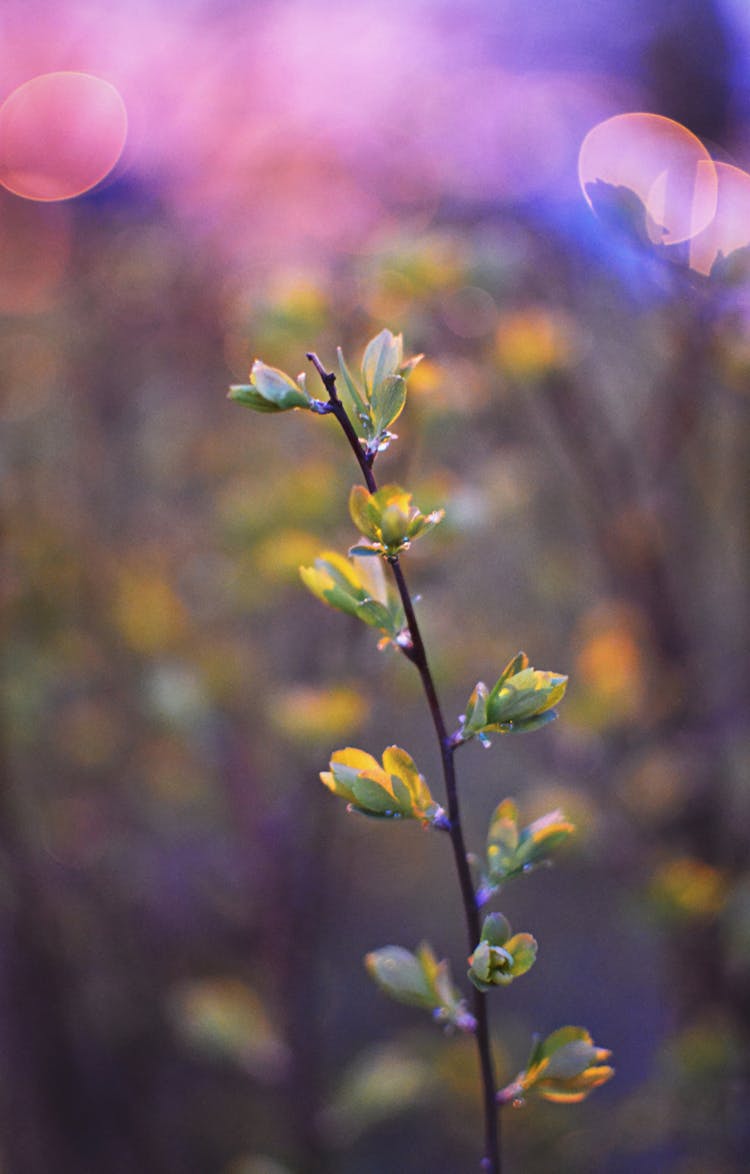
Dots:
pixel 565 1067
pixel 359 408
pixel 389 518
pixel 270 390
pixel 382 359
pixel 365 511
pixel 394 790
pixel 520 700
pixel 401 975
pixel 475 718
pixel 542 837
pixel 349 586
pixel 419 980
pixel 496 929
pixel 375 402
pixel 249 397
pixel 521 696
pixel 499 957
pixel 389 403
pixel 511 851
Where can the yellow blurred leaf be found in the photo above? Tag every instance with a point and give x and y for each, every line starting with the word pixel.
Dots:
pixel 226 1017
pixel 687 887
pixel 534 341
pixel 305 714
pixel 147 611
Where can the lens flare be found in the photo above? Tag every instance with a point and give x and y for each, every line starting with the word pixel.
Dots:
pixel 652 171
pixel 730 228
pixel 60 134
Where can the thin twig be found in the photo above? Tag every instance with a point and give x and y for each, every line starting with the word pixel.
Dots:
pixel 491 1163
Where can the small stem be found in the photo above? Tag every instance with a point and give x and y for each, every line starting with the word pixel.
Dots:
pixel 491 1163
pixel 328 380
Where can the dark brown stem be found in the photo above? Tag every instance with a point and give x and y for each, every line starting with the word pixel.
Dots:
pixel 339 411
pixel 491 1163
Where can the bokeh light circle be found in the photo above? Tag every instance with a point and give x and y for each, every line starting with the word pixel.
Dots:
pixel 60 134
pixel 660 162
pixel 730 228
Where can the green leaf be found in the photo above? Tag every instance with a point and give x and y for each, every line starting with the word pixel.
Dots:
pixel 375 615
pixel 520 700
pixel 510 851
pixel 524 695
pixel 496 929
pixel 523 727
pixel 423 523
pixel 383 357
pixel 332 579
pixel 523 949
pixel 542 837
pixel 270 390
pixel 475 717
pixel 560 1039
pixel 408 366
pixel 516 665
pixel 371 574
pixel 388 403
pixel 372 797
pixel 401 792
pixel 503 829
pixel 346 767
pixel 565 1067
pixel 420 980
pixel 571 1060
pixel 359 409
pixel 401 975
pixel 401 767
pixel 365 511
pixel 356 587
pixel 277 386
pixel 362 550
pixel 480 966
pixel 250 397
pixel 375 403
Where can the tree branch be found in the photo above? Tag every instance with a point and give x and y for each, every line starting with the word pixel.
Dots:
pixel 491 1163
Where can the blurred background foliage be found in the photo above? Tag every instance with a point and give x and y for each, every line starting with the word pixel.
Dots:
pixel 183 908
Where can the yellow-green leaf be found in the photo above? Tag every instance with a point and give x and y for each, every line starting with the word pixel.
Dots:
pixel 383 357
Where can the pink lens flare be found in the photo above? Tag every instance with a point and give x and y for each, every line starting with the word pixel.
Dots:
pixel 661 163
pixel 730 228
pixel 60 135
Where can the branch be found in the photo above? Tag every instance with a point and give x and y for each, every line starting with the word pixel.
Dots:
pixel 491 1163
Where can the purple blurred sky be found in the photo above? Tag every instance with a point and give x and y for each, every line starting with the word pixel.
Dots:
pixel 306 124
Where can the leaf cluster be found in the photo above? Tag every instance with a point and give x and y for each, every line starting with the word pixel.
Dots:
pixel 512 850
pixel 395 790
pixel 565 1067
pixel 388 518
pixel 356 586
pixel 521 700
pixel 501 955
pixel 376 398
